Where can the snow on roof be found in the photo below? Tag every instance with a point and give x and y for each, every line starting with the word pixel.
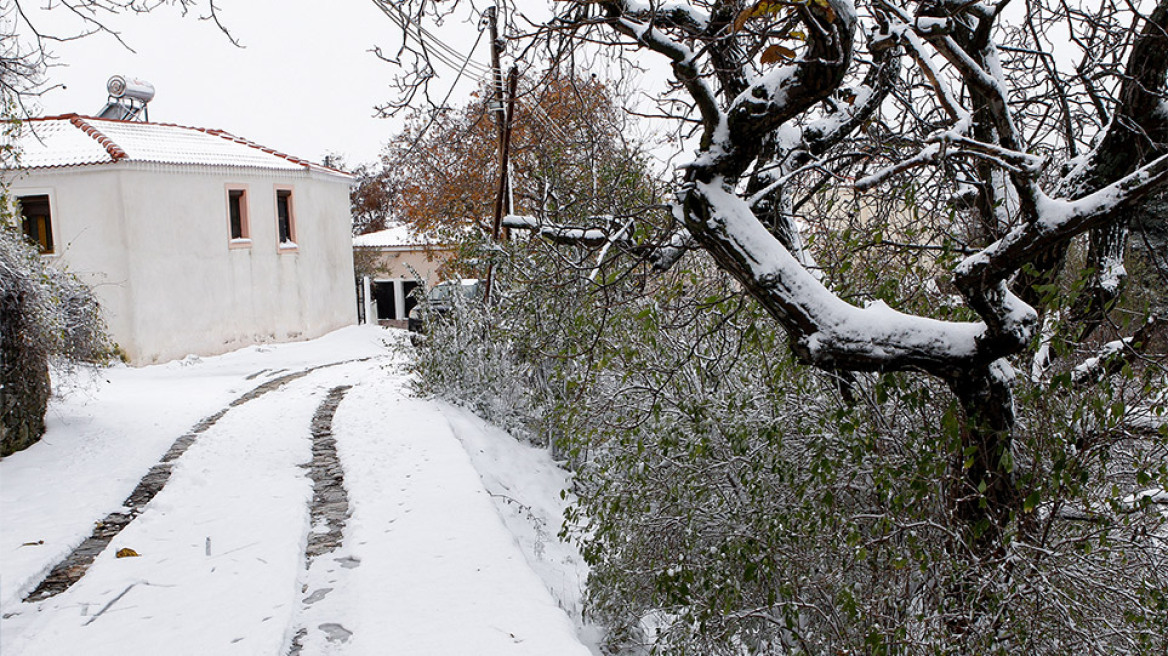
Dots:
pixel 73 140
pixel 58 143
pixel 397 236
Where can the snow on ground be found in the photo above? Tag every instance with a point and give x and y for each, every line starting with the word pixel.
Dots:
pixel 526 487
pixel 449 548
pixel 110 428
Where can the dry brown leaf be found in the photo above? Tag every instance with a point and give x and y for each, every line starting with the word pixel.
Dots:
pixel 126 552
pixel 742 17
pixel 775 54
pixel 760 8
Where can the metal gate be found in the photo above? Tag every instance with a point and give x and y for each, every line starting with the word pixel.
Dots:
pixel 361 301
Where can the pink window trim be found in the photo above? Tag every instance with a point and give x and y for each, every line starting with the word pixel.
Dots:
pixel 244 240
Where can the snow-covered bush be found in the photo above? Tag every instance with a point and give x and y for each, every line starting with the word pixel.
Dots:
pixel 891 189
pixel 732 502
pixel 510 361
pixel 463 357
pixel 753 510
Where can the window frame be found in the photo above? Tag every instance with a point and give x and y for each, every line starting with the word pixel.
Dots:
pixel 244 240
pixel 291 244
pixel 18 215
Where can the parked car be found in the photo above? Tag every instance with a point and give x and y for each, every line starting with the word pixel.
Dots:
pixel 440 300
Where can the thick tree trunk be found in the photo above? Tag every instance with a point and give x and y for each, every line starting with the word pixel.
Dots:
pixel 985 497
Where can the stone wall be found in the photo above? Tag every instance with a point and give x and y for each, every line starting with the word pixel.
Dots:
pixel 24 377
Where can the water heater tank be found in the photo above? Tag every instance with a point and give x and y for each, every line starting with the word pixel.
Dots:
pixel 120 86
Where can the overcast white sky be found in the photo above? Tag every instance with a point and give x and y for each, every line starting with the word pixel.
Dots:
pixel 306 83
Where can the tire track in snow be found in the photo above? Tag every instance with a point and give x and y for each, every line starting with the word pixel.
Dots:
pixel 329 510
pixel 222 547
pixel 70 570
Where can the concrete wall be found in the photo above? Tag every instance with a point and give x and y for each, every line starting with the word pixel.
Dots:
pixel 154 242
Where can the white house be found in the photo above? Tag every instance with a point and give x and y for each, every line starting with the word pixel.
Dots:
pixel 194 240
pixel 390 263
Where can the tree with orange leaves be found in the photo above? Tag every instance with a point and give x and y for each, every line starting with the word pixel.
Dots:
pixel 570 160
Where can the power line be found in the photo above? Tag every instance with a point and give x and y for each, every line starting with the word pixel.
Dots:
pixel 443 52
pixel 432 45
pixel 543 118
pixel 434 116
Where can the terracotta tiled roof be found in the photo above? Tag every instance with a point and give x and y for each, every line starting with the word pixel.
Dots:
pixel 73 140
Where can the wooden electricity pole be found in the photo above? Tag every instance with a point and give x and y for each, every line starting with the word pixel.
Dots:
pixel 497 106
pixel 504 106
pixel 503 199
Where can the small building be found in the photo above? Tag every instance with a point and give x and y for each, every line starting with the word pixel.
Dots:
pixel 193 240
pixel 390 264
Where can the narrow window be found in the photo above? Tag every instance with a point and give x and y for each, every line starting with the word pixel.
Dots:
pixel 285 218
pixel 37 221
pixel 237 213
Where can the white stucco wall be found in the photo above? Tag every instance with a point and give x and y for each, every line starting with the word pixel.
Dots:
pixel 153 240
pixel 405 263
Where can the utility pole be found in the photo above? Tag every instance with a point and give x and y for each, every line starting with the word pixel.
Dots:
pixel 503 105
pixel 503 199
pixel 497 104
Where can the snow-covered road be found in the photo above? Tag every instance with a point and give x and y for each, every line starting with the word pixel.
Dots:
pixel 434 557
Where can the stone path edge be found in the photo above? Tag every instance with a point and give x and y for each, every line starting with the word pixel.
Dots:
pixel 329 508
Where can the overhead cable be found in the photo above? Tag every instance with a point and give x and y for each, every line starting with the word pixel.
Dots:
pixel 432 45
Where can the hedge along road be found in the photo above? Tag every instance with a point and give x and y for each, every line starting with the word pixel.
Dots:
pixel 236 552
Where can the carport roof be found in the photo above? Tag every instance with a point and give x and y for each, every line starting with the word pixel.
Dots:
pixel 397 236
